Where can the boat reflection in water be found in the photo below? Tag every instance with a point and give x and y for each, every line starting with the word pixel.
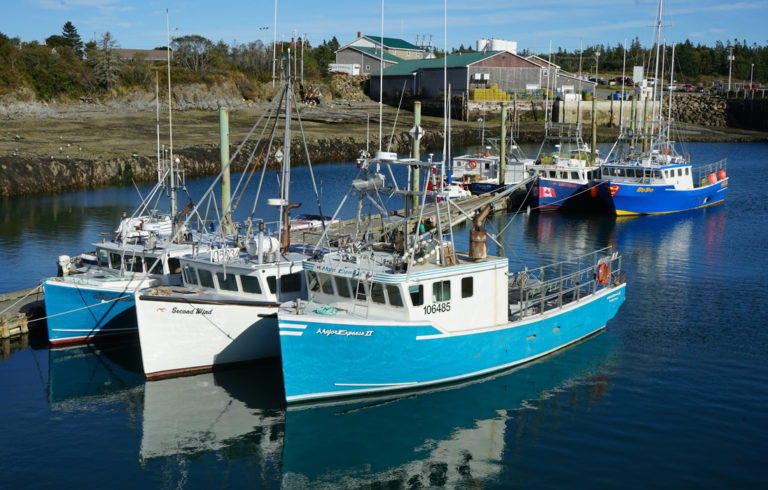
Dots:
pixel 235 420
pixel 454 436
pixel 232 414
pixel 79 376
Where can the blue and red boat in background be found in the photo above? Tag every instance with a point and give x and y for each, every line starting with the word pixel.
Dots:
pixel 660 180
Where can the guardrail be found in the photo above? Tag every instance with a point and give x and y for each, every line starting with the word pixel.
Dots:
pixel 536 291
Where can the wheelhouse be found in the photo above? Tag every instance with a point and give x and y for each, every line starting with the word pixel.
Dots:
pixel 437 294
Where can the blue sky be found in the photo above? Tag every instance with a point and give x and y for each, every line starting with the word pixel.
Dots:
pixel 140 24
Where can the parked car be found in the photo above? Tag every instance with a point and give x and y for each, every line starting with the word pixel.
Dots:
pixel 700 90
pixel 671 87
pixel 688 87
pixel 620 80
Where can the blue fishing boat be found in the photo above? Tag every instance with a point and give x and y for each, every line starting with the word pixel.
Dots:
pixel 92 296
pixel 662 182
pixel 657 178
pixel 401 309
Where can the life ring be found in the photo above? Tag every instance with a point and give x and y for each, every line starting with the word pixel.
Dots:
pixel 603 274
pixel 473 164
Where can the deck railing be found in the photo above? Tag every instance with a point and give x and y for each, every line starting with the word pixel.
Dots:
pixel 536 291
pixel 702 172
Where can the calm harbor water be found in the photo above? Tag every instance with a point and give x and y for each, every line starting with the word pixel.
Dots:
pixel 672 394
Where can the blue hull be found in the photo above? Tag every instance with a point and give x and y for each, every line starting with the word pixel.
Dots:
pixel 323 358
pixel 557 195
pixel 79 313
pixel 627 199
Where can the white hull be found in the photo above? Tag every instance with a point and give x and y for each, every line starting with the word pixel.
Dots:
pixel 179 337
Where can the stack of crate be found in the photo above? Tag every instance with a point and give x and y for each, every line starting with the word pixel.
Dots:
pixel 493 92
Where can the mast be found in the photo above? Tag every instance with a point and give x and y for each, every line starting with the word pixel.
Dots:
pixel 671 78
pixel 381 71
pixel 286 174
pixel 157 125
pixel 656 69
pixel 170 126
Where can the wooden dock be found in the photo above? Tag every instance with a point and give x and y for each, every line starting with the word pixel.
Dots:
pixel 460 210
pixel 18 309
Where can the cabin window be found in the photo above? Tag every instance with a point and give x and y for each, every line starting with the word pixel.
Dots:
pixel 272 283
pixel 441 291
pixel 647 174
pixel 206 278
pixel 342 286
pixel 116 260
pixel 326 283
pixel 377 293
pixel 360 290
pixel 686 170
pixel 394 295
pixel 574 175
pixel 133 264
pixel 103 257
pixel 291 283
pixel 657 174
pixel 417 295
pixel 190 276
pixel 542 173
pixel 174 266
pixel 552 174
pixel 467 287
pixel 679 172
pixel 153 265
pixel 227 282
pixel 312 281
pixel 251 284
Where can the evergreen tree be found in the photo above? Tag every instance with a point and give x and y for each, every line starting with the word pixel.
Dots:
pixel 105 61
pixel 72 38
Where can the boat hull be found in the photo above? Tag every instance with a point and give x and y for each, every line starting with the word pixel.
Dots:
pixel 327 357
pixel 183 336
pixel 78 312
pixel 556 195
pixel 626 199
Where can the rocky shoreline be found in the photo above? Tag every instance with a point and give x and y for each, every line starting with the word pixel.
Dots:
pixel 56 148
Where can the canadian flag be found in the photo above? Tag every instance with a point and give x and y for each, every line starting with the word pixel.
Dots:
pixel 546 192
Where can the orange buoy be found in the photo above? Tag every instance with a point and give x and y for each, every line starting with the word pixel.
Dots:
pixel 593 191
pixel 721 174
pixel 603 274
pixel 712 178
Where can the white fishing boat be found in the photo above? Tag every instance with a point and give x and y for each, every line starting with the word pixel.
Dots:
pixel 225 312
